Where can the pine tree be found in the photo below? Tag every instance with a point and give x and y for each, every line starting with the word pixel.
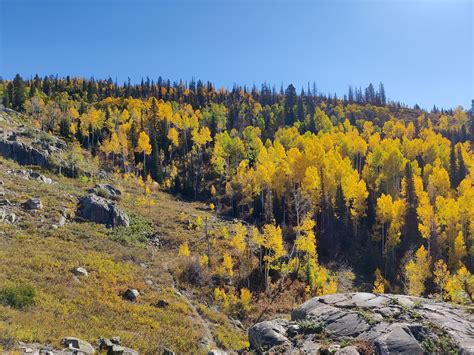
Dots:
pixel 18 98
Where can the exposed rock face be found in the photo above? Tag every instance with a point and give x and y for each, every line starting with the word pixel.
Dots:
pixel 388 324
pixel 103 211
pixel 29 147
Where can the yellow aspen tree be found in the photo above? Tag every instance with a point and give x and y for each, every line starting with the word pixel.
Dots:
pixel 227 265
pixel 417 271
pixel 460 287
pixel 144 146
pixel 441 276
pixel 458 252
pixel 379 283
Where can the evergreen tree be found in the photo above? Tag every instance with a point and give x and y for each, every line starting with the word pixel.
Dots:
pixel 18 98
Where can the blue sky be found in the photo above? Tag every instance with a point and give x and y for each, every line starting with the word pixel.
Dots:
pixel 422 51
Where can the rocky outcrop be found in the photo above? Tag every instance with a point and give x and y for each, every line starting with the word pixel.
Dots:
pixel 29 147
pixel 101 210
pixel 107 191
pixel 354 322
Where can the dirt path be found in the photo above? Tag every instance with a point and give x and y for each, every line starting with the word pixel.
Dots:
pixel 206 325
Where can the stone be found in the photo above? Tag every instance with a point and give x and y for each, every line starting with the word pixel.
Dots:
pixel 217 352
pixel 267 334
pixel 399 340
pixel 108 190
pixel 392 324
pixel 162 304
pixel 78 345
pixel 5 203
pixel 62 221
pixel 32 204
pixel 348 350
pixel 81 272
pixel 10 218
pixel 100 210
pixel 131 294
pixel 121 350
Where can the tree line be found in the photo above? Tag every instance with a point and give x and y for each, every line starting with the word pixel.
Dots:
pixel 321 178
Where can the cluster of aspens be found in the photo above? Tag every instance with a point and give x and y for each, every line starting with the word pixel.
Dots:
pixel 354 175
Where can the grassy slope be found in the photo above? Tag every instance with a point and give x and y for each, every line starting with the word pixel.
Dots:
pixel 33 253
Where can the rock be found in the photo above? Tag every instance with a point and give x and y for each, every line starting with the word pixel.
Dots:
pixel 78 345
pixel 106 190
pixel 268 334
pixel 5 203
pixel 62 221
pixel 217 352
pixel 392 324
pixel 149 282
pixel 33 204
pixel 80 271
pixel 348 350
pixel 399 340
pixel 100 210
pixel 131 294
pixel 20 146
pixel 162 304
pixel 121 350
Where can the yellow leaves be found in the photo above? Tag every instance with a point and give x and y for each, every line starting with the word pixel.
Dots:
pixel 245 298
pixel 238 241
pixel 438 183
pixel 417 271
pixel 173 136
pixel 441 276
pixel 273 241
pixel 458 252
pixel 319 281
pixel 227 265
pixel 72 129
pixel 204 260
pixel 201 136
pixel 184 250
pixel 379 283
pixel 460 287
pixel 306 242
pixel 143 145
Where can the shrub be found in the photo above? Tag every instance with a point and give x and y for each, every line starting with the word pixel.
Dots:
pixel 136 234
pixel 192 273
pixel 18 296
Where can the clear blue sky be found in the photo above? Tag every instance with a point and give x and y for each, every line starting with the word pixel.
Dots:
pixel 422 51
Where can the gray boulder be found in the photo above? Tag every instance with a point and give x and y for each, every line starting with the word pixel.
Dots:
pixel 103 211
pixel 107 189
pixel 131 294
pixel 76 345
pixel 32 204
pixel 268 334
pixel 81 272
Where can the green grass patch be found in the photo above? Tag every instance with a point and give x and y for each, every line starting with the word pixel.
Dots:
pixel 19 297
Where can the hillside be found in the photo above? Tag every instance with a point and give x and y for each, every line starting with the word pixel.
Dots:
pixel 175 216
pixel 42 249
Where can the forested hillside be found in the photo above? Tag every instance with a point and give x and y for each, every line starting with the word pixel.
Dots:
pixel 318 181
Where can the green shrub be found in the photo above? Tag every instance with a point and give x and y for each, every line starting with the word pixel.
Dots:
pixel 310 327
pixel 136 234
pixel 18 296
